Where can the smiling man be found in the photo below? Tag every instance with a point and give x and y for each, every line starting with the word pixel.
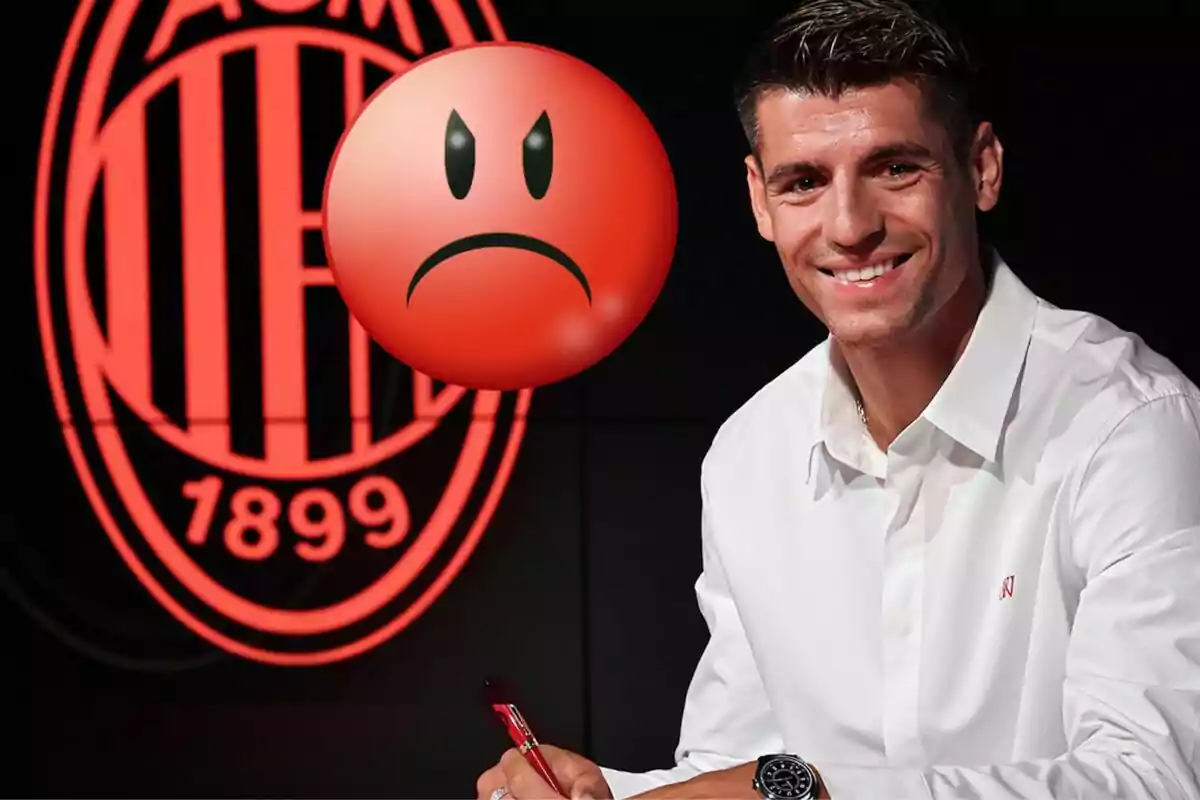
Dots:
pixel 954 551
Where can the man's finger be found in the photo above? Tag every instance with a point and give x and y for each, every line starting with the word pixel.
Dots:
pixel 522 779
pixel 489 781
pixel 589 786
pixel 563 762
pixel 579 777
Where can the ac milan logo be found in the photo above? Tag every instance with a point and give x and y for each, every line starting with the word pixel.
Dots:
pixel 274 480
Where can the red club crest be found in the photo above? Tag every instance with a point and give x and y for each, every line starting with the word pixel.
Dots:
pixel 294 497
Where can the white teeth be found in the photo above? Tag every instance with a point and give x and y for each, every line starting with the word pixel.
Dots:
pixel 866 273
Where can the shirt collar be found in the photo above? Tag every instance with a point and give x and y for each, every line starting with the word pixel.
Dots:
pixel 972 404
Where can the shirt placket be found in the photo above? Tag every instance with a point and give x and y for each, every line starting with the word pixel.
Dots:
pixel 903 581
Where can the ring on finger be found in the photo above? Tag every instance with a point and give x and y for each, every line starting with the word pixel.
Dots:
pixel 499 793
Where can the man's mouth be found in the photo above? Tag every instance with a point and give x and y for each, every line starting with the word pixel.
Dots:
pixel 867 272
pixel 516 240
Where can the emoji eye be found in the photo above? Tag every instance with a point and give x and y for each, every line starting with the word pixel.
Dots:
pixel 460 156
pixel 539 157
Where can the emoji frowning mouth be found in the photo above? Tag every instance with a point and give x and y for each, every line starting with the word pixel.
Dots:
pixel 515 240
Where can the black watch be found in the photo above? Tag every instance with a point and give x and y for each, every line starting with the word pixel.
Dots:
pixel 785 777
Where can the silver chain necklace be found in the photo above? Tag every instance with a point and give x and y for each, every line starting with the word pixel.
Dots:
pixel 862 412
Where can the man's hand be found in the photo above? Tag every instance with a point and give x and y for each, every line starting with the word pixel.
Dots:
pixel 735 783
pixel 579 777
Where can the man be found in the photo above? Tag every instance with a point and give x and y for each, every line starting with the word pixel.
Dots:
pixel 954 551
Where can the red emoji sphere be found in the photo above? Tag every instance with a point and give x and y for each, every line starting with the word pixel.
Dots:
pixel 500 216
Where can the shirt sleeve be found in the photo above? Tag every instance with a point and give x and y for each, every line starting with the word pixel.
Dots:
pixel 727 720
pixel 1131 698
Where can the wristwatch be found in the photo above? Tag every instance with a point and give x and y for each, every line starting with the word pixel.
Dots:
pixel 783 776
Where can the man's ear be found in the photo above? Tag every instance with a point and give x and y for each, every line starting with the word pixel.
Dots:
pixel 987 167
pixel 758 197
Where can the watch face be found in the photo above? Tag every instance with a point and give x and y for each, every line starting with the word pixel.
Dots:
pixel 786 777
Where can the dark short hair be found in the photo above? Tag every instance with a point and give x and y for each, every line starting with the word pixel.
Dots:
pixel 828 46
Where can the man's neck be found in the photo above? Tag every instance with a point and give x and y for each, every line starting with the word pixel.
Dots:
pixel 898 380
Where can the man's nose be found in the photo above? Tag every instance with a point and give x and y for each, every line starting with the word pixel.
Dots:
pixel 855 222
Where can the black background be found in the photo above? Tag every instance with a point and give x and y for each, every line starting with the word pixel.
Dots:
pixel 599 524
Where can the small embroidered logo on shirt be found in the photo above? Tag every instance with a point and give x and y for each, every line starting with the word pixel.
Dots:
pixel 1006 588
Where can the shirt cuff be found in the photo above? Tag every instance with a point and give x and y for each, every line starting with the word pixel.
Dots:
pixel 845 782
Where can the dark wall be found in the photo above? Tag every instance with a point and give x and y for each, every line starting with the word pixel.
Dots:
pixel 581 589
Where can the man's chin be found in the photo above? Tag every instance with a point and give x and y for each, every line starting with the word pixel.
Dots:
pixel 870 332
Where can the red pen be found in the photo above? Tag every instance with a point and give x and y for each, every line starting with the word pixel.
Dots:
pixel 500 699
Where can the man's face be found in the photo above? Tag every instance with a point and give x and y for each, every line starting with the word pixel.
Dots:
pixel 869 181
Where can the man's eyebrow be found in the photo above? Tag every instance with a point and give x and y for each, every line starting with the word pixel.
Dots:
pixel 782 172
pixel 902 150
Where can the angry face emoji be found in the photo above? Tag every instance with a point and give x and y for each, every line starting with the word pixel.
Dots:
pixel 500 216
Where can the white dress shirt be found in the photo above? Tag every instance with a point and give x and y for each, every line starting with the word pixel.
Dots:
pixel 1005 604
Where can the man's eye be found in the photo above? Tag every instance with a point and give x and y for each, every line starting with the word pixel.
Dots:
pixel 803 185
pixel 899 169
